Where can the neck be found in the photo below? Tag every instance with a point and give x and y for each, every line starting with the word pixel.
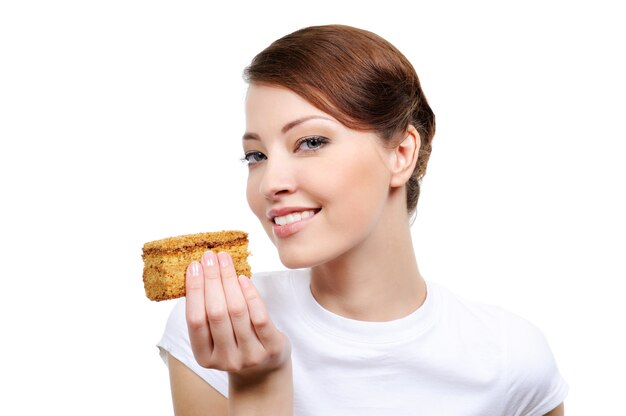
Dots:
pixel 376 281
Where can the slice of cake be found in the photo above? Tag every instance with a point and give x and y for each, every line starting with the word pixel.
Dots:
pixel 165 261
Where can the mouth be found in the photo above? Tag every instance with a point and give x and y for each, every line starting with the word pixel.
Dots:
pixel 295 216
pixel 289 221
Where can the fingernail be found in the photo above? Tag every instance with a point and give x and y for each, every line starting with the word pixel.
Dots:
pixel 224 258
pixel 194 268
pixel 208 258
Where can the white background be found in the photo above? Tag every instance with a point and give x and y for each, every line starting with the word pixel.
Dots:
pixel 120 123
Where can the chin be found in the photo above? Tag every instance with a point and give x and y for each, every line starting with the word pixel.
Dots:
pixel 295 261
pixel 298 257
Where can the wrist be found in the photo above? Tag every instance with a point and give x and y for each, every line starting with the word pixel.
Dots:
pixel 268 379
pixel 262 393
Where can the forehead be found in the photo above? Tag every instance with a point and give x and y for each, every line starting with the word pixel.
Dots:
pixel 272 107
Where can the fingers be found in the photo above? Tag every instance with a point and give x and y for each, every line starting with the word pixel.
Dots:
pixel 229 325
pixel 198 326
pixel 236 304
pixel 263 325
pixel 215 303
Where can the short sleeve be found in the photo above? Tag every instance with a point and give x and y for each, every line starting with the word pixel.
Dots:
pixel 535 385
pixel 175 341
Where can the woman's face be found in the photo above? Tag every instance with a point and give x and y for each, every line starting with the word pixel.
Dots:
pixel 319 188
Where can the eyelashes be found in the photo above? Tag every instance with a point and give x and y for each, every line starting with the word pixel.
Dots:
pixel 252 158
pixel 305 144
pixel 311 143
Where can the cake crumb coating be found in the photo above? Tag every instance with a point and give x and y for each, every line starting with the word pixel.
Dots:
pixel 166 260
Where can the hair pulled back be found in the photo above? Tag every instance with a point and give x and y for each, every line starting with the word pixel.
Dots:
pixel 357 77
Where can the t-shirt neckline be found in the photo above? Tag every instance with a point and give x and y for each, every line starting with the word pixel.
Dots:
pixel 403 329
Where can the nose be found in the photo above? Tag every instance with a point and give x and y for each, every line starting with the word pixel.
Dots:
pixel 278 178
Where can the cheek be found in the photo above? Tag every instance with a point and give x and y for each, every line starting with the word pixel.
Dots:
pixel 359 185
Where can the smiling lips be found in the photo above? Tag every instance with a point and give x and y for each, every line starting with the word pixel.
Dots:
pixel 293 217
pixel 291 222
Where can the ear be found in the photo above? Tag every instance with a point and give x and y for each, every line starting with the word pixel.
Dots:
pixel 404 157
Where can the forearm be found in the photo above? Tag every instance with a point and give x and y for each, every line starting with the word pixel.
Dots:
pixel 270 395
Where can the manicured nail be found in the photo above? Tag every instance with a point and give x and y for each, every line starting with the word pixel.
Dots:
pixel 224 259
pixel 194 269
pixel 208 258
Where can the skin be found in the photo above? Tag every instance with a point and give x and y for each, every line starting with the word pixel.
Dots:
pixel 301 158
pixel 362 230
pixel 557 411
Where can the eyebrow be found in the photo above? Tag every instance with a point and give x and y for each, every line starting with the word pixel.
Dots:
pixel 288 126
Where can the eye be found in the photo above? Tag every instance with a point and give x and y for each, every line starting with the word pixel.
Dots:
pixel 311 143
pixel 252 158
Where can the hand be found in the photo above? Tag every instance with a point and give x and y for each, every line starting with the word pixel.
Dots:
pixel 229 326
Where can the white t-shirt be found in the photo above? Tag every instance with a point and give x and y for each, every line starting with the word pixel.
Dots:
pixel 451 357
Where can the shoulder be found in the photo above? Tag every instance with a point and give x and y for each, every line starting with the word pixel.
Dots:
pixel 523 343
pixel 532 379
pixel 487 319
pixel 514 341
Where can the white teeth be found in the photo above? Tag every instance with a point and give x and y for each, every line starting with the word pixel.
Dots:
pixel 293 217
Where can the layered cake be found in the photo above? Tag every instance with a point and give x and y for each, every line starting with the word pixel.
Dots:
pixel 165 261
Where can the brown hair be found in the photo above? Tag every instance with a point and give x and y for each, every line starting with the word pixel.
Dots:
pixel 357 77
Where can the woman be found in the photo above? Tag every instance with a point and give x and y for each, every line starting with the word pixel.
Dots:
pixel 338 136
